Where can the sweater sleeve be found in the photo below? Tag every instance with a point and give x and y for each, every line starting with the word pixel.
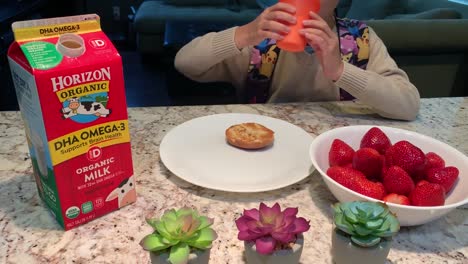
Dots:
pixel 383 86
pixel 214 57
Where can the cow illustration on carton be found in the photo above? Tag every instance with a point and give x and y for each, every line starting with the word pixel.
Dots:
pixel 125 192
pixel 77 107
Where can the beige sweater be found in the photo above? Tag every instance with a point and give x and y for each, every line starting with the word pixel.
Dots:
pixel 298 76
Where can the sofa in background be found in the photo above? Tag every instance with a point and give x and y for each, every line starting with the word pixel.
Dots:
pixel 427 38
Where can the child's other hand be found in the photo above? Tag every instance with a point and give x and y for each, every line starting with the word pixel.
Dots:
pixel 325 44
pixel 271 23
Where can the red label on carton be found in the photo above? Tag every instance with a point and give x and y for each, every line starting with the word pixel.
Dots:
pixel 69 84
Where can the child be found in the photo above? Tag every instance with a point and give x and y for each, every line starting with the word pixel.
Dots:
pixel 346 60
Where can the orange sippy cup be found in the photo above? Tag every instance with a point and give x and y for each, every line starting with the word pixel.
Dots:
pixel 294 42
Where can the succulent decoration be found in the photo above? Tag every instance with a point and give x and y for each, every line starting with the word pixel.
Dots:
pixel 177 232
pixel 366 222
pixel 270 228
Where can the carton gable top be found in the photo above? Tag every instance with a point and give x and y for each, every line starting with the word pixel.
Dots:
pixel 47 44
pixel 53 27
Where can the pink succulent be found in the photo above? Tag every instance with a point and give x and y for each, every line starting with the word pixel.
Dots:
pixel 270 228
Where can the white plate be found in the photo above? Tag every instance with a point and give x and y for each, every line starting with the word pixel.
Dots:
pixel 197 152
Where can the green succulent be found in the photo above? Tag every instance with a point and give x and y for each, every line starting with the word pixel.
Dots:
pixel 366 222
pixel 178 232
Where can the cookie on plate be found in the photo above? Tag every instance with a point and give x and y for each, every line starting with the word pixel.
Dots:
pixel 249 136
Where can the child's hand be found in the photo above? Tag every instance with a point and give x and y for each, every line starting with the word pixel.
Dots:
pixel 269 24
pixel 325 44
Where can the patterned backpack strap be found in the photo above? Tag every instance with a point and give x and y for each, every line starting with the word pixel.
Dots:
pixel 261 67
pixel 354 45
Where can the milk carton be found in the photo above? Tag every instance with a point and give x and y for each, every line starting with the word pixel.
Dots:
pixel 70 89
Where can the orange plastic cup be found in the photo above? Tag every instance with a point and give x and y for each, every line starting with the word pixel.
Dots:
pixel 293 41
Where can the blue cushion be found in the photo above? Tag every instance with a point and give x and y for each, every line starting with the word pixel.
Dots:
pixel 266 3
pixel 375 9
pixel 343 7
pixel 195 2
pixel 248 3
pixel 439 13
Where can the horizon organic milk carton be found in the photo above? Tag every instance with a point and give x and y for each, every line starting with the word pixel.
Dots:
pixel 70 88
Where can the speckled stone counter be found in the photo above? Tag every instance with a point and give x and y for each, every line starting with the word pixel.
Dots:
pixel 30 235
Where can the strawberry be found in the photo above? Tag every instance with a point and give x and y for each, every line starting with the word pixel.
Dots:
pixel 421 183
pixel 443 176
pixel 376 139
pixel 396 199
pixel 419 175
pixel 356 181
pixel 388 156
pixel 340 153
pixel 369 188
pixel 345 176
pixel 407 156
pixel 429 194
pixel 434 161
pixel 368 161
pixel 396 180
pixel 349 165
pixel 383 172
pixel 384 167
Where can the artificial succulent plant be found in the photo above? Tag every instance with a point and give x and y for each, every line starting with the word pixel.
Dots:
pixel 367 223
pixel 177 232
pixel 270 228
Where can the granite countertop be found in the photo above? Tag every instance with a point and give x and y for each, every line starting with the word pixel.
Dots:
pixel 30 235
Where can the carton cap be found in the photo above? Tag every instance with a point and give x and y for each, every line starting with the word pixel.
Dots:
pixel 71 45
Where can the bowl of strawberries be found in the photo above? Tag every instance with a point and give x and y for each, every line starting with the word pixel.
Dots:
pixel 418 177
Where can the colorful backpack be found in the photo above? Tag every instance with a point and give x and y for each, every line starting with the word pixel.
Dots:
pixel 354 45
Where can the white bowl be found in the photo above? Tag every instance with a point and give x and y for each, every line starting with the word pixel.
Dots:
pixel 407 215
